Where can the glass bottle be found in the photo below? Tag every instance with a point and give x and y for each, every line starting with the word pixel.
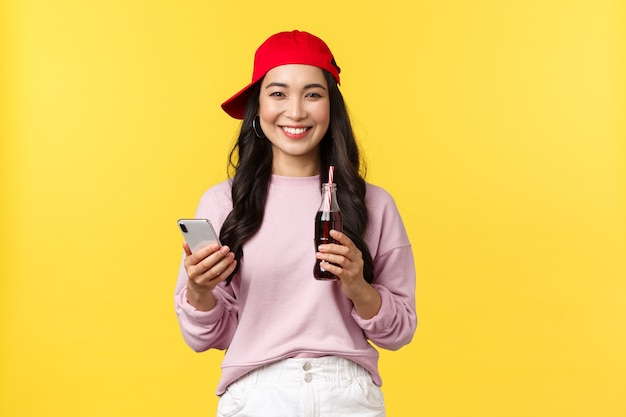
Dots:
pixel 328 217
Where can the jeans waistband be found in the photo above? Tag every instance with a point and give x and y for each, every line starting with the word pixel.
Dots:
pixel 329 370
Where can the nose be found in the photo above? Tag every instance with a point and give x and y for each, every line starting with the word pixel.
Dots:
pixel 295 109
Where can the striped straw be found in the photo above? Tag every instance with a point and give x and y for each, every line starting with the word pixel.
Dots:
pixel 331 171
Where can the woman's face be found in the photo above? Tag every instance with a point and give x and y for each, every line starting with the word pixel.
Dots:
pixel 294 109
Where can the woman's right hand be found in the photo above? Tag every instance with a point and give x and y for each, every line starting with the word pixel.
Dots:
pixel 206 268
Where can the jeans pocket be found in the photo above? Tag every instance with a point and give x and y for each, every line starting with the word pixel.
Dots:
pixel 371 394
pixel 231 402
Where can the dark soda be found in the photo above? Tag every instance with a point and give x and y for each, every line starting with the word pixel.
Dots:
pixel 325 221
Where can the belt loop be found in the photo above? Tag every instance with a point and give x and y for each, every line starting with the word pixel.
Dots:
pixel 258 374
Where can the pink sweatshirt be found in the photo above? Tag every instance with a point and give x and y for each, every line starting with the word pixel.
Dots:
pixel 274 308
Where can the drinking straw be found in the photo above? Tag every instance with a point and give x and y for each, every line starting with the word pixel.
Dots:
pixel 331 171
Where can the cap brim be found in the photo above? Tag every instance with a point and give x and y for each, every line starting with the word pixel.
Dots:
pixel 236 105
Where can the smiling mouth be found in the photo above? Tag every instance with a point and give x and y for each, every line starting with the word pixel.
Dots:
pixel 295 130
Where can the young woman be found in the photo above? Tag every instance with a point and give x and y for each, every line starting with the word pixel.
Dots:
pixel 296 345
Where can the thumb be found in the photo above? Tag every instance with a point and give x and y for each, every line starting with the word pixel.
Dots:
pixel 186 248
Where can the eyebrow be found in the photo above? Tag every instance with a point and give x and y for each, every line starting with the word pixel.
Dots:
pixel 306 87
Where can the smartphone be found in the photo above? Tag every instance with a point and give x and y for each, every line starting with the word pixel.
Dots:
pixel 198 233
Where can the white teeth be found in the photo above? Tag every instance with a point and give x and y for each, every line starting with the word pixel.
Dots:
pixel 295 130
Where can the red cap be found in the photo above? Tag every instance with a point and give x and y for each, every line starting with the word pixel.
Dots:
pixel 283 48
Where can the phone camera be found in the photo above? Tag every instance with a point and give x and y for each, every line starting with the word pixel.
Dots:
pixel 183 227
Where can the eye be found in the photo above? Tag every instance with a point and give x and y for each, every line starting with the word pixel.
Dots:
pixel 277 94
pixel 313 95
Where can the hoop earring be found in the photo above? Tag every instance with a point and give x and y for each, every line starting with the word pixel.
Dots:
pixel 257 129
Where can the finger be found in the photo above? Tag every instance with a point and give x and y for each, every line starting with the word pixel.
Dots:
pixel 348 252
pixel 331 258
pixel 215 257
pixel 208 277
pixel 218 262
pixel 332 268
pixel 226 273
pixel 218 273
pixel 341 237
pixel 186 248
pixel 203 257
pixel 198 267
pixel 208 250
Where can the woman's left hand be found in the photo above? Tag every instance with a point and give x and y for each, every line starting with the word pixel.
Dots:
pixel 345 260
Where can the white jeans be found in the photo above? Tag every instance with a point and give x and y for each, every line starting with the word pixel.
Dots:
pixel 321 387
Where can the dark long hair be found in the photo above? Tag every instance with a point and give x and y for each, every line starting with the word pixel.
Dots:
pixel 251 162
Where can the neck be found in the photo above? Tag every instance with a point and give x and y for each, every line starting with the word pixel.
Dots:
pixel 295 168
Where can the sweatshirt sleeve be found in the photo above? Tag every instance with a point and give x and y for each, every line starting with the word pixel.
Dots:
pixel 394 275
pixel 203 330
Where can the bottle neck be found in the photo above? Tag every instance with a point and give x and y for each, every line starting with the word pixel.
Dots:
pixel 329 198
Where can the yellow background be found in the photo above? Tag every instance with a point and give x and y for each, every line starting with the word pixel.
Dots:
pixel 498 126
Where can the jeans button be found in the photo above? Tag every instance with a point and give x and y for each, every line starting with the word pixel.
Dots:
pixel 307 366
pixel 308 377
